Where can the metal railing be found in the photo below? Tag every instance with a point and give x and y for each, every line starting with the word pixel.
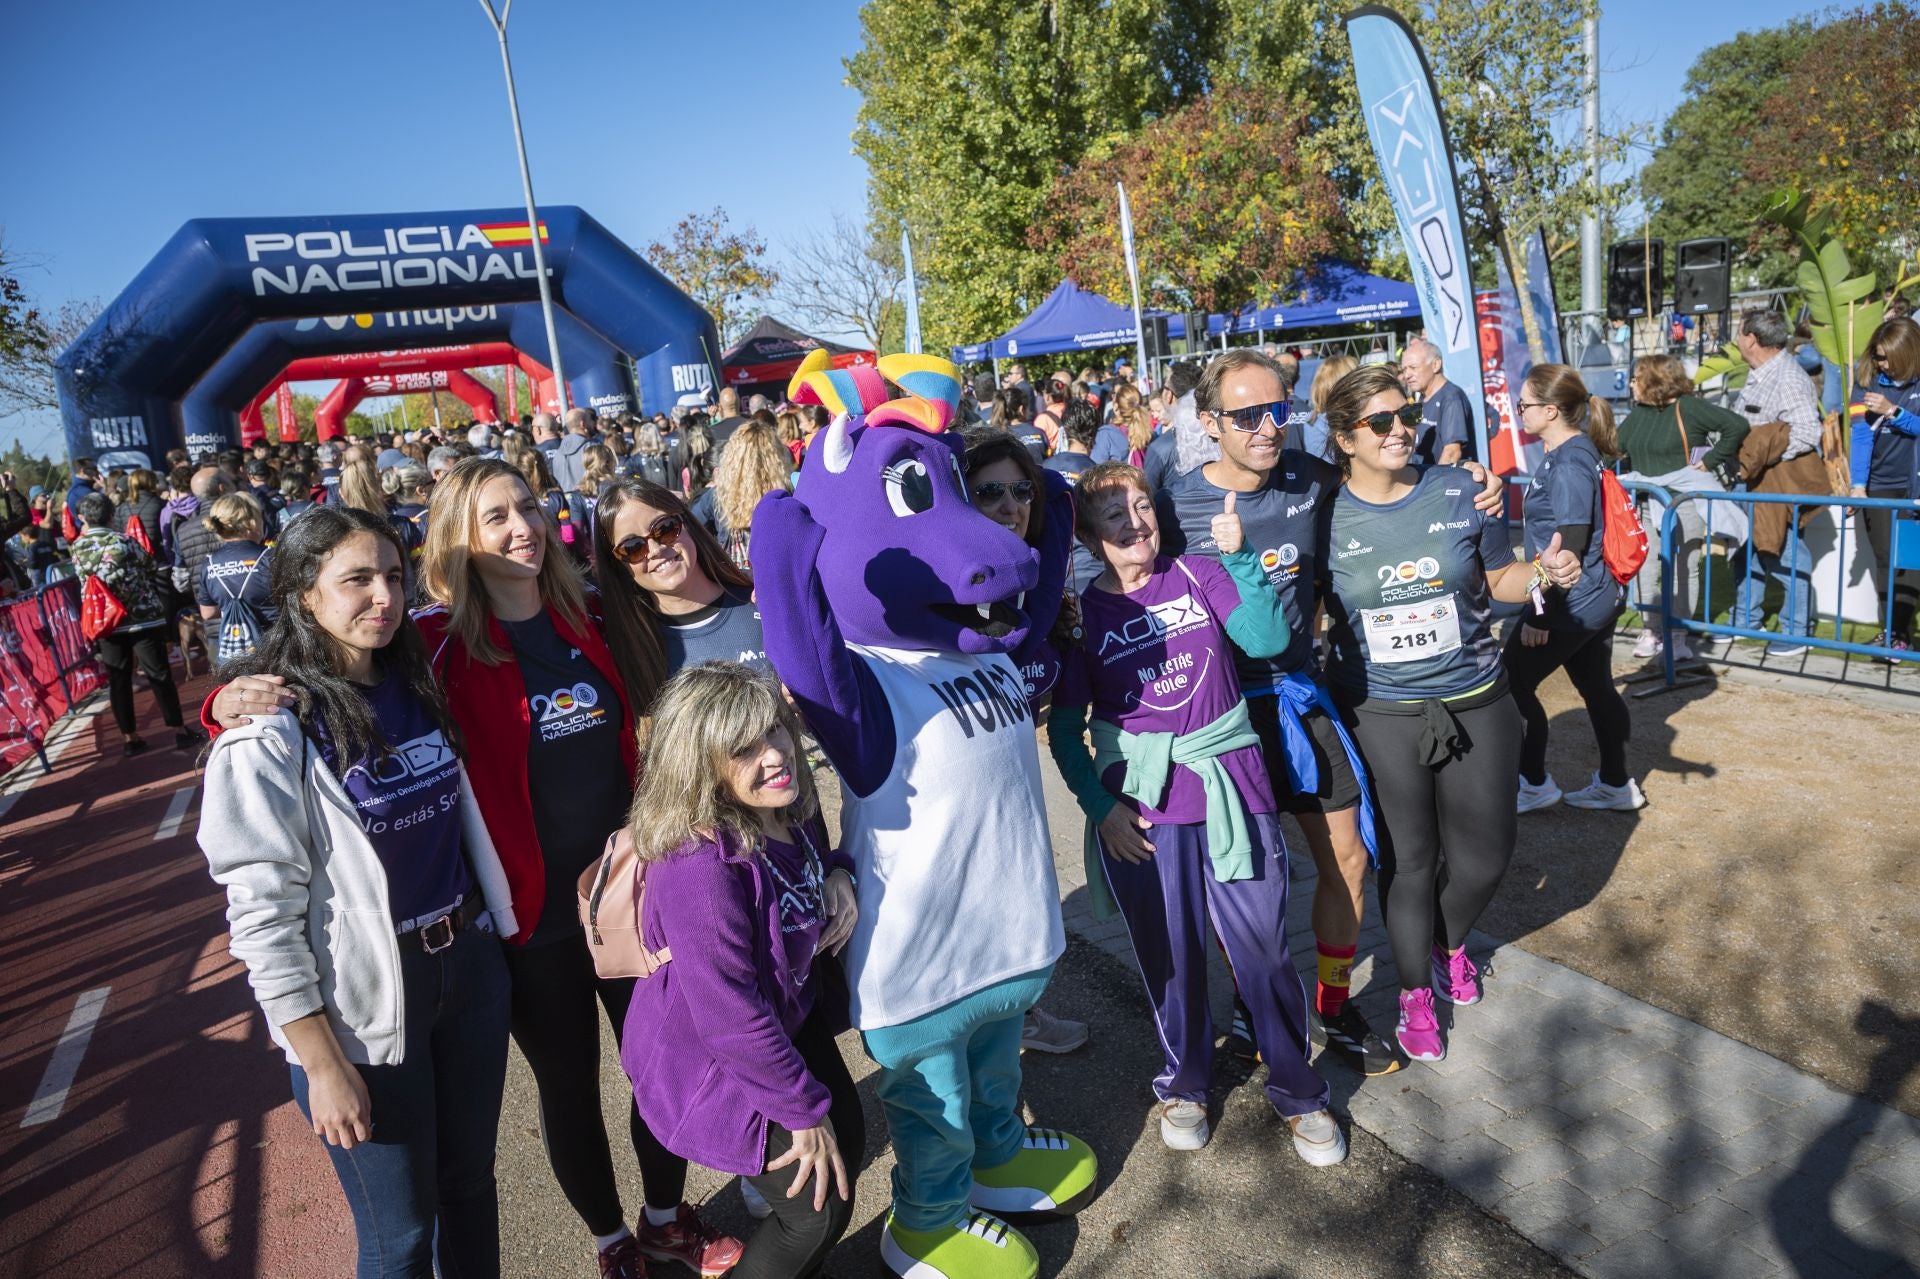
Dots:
pixel 1796 562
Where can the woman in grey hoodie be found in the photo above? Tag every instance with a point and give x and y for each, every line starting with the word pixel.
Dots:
pixel 366 901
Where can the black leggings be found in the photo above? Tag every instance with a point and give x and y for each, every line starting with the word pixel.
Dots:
pixel 1462 808
pixel 1588 659
pixel 118 651
pixel 554 1022
pixel 795 1240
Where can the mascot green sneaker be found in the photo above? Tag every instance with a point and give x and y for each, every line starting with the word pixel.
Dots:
pixel 981 1247
pixel 1054 1174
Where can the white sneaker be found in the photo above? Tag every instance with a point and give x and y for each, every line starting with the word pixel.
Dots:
pixel 757 1206
pixel 1681 652
pixel 1648 645
pixel 1597 794
pixel 1545 795
pixel 1183 1125
pixel 1317 1139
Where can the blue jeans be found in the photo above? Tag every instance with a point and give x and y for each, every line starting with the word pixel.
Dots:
pixel 422 1190
pixel 1793 569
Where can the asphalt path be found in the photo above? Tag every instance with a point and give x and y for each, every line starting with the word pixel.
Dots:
pixel 176 1151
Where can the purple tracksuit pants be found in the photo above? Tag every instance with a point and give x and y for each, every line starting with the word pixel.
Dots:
pixel 1166 901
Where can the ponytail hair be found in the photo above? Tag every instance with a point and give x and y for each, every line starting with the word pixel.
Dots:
pixel 1562 386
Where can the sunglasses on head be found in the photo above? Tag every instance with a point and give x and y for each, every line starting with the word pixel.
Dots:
pixel 632 548
pixel 1382 422
pixel 1250 418
pixel 994 490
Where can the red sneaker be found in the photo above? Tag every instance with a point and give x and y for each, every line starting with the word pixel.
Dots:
pixel 691 1242
pixel 621 1259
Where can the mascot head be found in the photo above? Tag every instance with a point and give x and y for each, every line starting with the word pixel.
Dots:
pixel 907 562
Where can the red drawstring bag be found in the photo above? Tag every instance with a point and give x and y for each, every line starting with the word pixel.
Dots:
pixel 101 611
pixel 137 533
pixel 1623 538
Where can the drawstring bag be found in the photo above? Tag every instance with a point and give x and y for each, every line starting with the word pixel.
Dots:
pixel 610 892
pixel 101 611
pixel 1623 538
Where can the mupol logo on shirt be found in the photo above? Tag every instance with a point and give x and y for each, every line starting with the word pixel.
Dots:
pixel 1303 506
pixel 1441 526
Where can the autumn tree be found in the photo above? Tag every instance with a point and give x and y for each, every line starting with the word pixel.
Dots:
pixel 725 271
pixel 1843 127
pixel 1226 205
pixel 845 279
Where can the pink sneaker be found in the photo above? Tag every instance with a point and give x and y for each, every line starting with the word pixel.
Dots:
pixel 1419 1030
pixel 1455 979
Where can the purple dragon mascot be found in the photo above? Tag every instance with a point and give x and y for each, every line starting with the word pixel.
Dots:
pixel 899 617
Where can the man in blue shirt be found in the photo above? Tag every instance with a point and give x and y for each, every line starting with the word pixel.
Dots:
pixel 1446 422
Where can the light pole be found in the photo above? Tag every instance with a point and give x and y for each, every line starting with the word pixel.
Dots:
pixel 499 22
pixel 1593 289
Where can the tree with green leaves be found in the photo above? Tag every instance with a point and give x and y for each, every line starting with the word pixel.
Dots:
pixel 1227 205
pixel 971 108
pixel 1699 181
pixel 725 271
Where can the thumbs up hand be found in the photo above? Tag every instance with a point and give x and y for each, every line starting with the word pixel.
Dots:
pixel 1228 535
pixel 1561 566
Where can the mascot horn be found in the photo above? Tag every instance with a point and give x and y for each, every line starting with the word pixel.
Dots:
pixel 896 613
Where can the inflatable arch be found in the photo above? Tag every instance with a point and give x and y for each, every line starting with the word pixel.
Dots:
pixel 123 380
pixel 389 364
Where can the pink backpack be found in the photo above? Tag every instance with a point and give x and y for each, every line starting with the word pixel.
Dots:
pixel 610 892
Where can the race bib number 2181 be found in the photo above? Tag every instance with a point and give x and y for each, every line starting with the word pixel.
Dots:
pixel 1411 632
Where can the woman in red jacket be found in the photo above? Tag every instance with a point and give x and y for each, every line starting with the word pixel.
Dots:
pixel 539 697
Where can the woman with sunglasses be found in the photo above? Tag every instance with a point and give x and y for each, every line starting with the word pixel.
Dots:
pixel 543 706
pixel 670 594
pixel 1410 586
pixel 1009 488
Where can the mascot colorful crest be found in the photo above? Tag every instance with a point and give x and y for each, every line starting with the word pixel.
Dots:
pixel 894 613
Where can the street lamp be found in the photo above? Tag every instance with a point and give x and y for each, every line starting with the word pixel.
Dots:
pixel 499 22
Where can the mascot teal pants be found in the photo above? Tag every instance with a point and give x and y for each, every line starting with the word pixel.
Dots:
pixel 950 1084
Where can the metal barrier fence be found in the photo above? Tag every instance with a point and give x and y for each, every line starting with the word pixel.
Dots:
pixel 46 668
pixel 1795 564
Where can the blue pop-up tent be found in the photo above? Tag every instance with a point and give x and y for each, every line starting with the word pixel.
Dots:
pixel 1071 319
pixel 1330 295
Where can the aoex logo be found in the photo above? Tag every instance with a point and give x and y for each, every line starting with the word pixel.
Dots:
pixel 1403 129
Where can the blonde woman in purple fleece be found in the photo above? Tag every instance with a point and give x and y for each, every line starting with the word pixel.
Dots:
pixel 731 1045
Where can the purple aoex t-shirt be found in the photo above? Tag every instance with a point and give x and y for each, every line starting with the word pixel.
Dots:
pixel 409 804
pixel 798 871
pixel 1157 661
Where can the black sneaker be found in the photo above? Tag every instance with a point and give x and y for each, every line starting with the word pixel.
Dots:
pixel 1240 1035
pixel 1348 1035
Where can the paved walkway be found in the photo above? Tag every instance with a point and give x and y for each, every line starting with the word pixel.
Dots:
pixel 1622 1139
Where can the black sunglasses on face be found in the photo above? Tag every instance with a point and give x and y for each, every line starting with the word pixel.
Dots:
pixel 632 548
pixel 1382 422
pixel 994 490
pixel 1250 418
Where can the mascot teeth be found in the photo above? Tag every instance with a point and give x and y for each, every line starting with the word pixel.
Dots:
pixel 986 611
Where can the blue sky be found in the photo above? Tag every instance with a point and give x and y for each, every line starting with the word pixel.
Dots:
pixel 124 120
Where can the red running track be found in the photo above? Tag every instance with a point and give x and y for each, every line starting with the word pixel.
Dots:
pixel 178 1151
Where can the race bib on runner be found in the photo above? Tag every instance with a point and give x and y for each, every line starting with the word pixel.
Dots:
pixel 1410 632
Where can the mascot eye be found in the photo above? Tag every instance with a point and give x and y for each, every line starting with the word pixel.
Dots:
pixel 909 489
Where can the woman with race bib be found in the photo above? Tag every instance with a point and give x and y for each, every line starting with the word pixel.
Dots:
pixel 1410 583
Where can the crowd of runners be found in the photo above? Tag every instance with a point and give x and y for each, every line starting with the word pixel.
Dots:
pixel 460 671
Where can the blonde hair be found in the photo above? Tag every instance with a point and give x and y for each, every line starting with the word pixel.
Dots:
pixel 753 463
pixel 450 576
pixel 533 468
pixel 1131 414
pixel 705 717
pixel 360 484
pixel 1331 370
pixel 236 517
pixel 597 469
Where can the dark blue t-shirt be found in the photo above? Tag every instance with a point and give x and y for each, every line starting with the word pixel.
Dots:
pixel 1410 609
pixel 727 630
pixel 1285 522
pixel 1566 490
pixel 408 802
pixel 1445 418
pixel 576 775
pixel 238 570
pixel 1084 565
